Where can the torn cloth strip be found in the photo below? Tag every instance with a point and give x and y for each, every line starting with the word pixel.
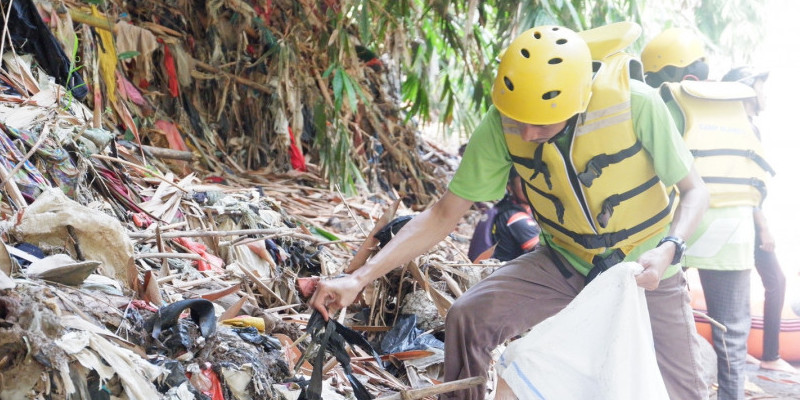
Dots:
pixel 30 181
pixel 172 74
pixel 31 35
pixel 331 336
pixel 107 56
pixel 298 161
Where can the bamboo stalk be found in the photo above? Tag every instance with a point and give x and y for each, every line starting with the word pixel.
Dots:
pixel 168 255
pixel 91 20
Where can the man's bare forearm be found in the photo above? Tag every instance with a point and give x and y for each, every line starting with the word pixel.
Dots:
pixel 692 206
pixel 416 237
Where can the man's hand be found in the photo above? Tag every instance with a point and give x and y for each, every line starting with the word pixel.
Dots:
pixel 767 240
pixel 334 294
pixel 655 262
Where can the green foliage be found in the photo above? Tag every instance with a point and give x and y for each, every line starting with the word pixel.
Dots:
pixel 335 152
pixel 735 26
pixel 128 55
pixel 445 51
pixel 73 69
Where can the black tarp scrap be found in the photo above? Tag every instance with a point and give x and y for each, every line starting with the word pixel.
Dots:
pixel 30 34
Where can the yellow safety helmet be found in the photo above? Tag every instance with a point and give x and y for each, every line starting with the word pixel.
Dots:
pixel 544 76
pixel 677 47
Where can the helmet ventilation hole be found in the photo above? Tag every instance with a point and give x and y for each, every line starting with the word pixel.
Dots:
pixel 554 61
pixel 561 41
pixel 525 53
pixel 508 83
pixel 551 95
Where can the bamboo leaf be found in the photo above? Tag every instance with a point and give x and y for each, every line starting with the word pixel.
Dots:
pixel 351 93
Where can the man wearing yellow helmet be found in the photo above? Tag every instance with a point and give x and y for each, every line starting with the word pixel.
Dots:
pixel 674 55
pixel 729 157
pixel 599 156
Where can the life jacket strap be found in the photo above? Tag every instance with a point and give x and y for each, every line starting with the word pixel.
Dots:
pixel 609 239
pixel 594 168
pixel 602 264
pixel 536 164
pixel 750 154
pixel 559 206
pixel 615 200
pixel 760 185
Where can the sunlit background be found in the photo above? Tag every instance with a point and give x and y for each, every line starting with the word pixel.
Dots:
pixel 781 129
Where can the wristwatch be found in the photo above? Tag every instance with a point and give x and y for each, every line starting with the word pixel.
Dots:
pixel 680 247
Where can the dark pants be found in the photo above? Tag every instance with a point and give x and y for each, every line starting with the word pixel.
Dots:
pixel 530 289
pixel 774 291
pixel 727 296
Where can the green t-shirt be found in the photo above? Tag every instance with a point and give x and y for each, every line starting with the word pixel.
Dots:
pixel 483 172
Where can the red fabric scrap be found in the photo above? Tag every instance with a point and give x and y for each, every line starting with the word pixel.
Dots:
pixel 173 135
pixel 169 64
pixel 142 305
pixel 141 220
pixel 129 91
pixel 298 161
pixel 209 260
pixel 264 11
pixel 213 387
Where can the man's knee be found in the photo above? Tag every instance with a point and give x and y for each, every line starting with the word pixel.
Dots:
pixel 458 313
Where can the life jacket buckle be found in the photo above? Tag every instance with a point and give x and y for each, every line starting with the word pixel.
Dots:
pixel 591 172
pixel 602 264
pixel 605 214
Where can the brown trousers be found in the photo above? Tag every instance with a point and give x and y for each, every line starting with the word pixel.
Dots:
pixel 530 289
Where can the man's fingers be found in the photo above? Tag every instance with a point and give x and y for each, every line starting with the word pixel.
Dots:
pixel 324 312
pixel 318 302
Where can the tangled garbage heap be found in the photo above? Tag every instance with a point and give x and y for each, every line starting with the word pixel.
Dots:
pixel 141 260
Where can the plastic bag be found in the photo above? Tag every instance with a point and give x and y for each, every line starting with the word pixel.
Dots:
pixel 599 347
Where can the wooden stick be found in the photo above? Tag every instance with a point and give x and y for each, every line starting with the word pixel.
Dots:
pixel 260 284
pixel 711 320
pixel 370 242
pixel 11 188
pixel 239 79
pixel 160 153
pixel 421 393
pixel 239 232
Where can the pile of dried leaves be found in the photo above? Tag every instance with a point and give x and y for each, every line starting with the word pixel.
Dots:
pixel 161 222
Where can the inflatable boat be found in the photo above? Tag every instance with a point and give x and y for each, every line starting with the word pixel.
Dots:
pixel 789 336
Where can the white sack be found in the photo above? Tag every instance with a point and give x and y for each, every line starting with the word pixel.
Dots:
pixel 599 347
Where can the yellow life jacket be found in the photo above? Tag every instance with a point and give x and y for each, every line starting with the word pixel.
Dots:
pixel 606 194
pixel 728 154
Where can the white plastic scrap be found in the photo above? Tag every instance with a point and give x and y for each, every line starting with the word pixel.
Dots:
pixel 135 373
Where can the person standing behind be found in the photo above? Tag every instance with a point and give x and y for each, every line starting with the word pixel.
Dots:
pixel 729 158
pixel 600 158
pixel 766 261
